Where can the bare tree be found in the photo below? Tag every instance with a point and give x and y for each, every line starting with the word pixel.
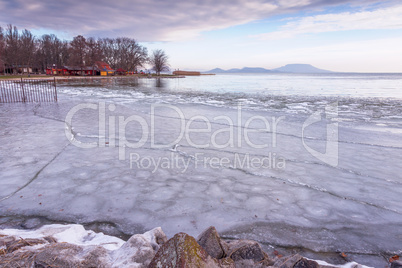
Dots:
pixel 108 51
pixel 2 51
pixel 63 54
pixel 27 48
pixel 78 51
pixel 94 52
pixel 44 54
pixel 130 54
pixel 122 46
pixel 137 57
pixel 12 50
pixel 51 51
pixel 123 53
pixel 159 61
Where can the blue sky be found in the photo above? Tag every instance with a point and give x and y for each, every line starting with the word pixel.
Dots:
pixel 338 35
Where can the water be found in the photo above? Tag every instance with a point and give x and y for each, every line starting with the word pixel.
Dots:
pixel 337 84
pixel 347 85
pixel 293 161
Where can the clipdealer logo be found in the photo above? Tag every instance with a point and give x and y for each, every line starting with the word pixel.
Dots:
pixel 239 133
pixel 202 160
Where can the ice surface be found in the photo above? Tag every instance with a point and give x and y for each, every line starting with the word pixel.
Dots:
pixel 185 185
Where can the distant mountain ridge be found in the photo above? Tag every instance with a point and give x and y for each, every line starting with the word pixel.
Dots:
pixel 289 68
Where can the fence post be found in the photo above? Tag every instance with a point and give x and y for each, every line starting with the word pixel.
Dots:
pixel 55 90
pixel 23 92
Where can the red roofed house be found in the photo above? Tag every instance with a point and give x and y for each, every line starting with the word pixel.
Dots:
pixel 104 68
pixel 70 70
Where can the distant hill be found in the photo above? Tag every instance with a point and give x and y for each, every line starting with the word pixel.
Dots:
pixel 300 68
pixel 216 71
pixel 290 68
pixel 254 70
pixel 243 70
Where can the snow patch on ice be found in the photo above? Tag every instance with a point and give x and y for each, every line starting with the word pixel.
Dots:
pixel 346 265
pixel 73 234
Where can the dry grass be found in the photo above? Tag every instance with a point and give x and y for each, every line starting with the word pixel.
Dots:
pixel 12 256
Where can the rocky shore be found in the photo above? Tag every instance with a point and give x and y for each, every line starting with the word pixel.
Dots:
pixel 60 245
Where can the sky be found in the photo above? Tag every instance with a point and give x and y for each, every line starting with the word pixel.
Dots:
pixel 336 35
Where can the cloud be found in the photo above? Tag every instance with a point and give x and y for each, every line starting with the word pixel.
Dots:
pixel 385 18
pixel 150 20
pixel 146 20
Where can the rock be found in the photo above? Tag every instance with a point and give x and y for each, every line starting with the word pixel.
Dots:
pixel 251 264
pixel 396 264
pixel 73 246
pixel 183 251
pixel 304 263
pixel 288 262
pixel 68 255
pixel 226 263
pixel 139 249
pixel 31 223
pixel 136 251
pixel 246 250
pixel 107 228
pixel 212 243
pixel 156 237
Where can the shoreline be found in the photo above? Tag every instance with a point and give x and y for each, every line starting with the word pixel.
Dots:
pixel 33 222
pixel 74 244
pixel 51 77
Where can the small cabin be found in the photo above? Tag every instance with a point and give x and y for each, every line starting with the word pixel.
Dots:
pixel 104 68
pixel 71 70
pixel 57 70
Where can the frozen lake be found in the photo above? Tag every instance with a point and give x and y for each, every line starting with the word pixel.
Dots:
pixel 292 161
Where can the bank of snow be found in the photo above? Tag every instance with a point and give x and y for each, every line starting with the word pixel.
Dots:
pixel 73 246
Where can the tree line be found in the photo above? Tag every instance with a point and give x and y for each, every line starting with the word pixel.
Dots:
pixel 24 50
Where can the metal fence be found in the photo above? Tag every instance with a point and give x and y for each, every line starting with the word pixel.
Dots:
pixel 28 90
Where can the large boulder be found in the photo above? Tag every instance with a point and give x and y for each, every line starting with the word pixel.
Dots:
pixel 183 251
pixel 245 250
pixel 247 253
pixel 212 243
